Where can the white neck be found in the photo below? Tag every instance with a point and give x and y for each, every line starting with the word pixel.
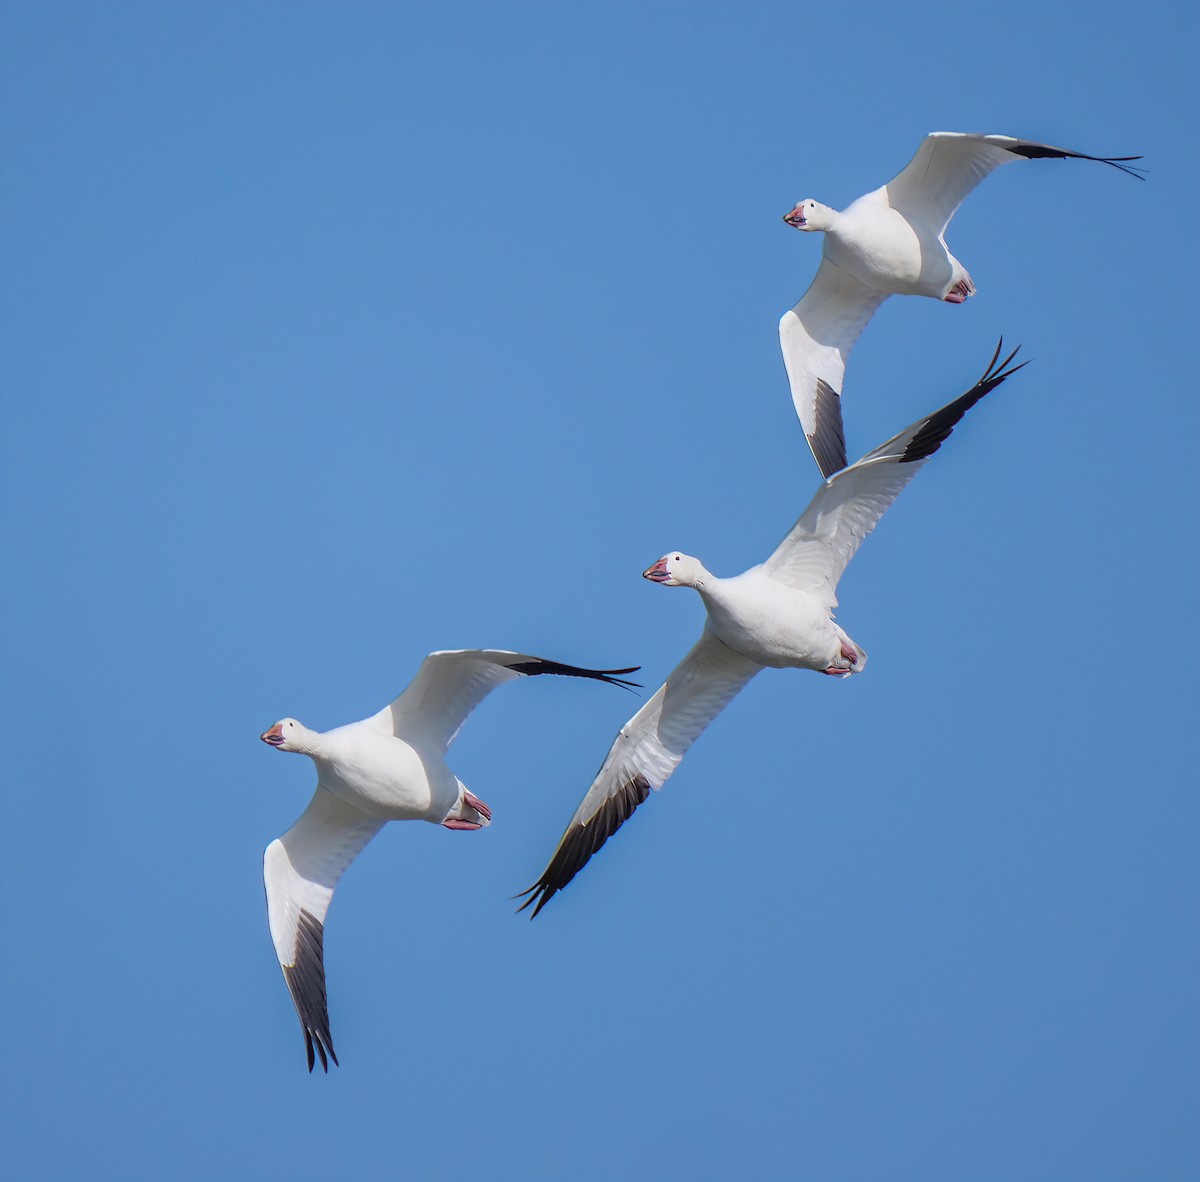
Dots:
pixel 306 742
pixel 704 581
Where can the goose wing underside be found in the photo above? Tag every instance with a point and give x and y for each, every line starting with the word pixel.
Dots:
pixel 646 751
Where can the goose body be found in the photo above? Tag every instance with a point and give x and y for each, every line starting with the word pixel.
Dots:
pixel 383 776
pixel 888 252
pixel 773 624
pixel 389 767
pixel 890 241
pixel 779 614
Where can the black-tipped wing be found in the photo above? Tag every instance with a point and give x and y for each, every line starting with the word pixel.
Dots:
pixel 646 751
pixel 949 164
pixel 300 870
pixel 848 506
pixel 449 685
pixel 816 337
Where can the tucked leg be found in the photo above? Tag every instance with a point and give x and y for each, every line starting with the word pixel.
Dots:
pixel 471 813
pixel 848 653
pixel 960 292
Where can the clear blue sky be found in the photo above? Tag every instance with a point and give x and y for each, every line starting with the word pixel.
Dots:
pixel 334 334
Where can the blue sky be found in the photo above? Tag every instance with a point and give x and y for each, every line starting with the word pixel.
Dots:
pixel 337 334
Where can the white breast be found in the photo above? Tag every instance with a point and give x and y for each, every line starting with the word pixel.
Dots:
pixel 883 249
pixel 384 776
pixel 771 623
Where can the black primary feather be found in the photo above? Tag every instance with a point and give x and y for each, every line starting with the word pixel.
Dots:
pixel 936 429
pixel 305 978
pixel 580 842
pixel 539 666
pixel 1044 152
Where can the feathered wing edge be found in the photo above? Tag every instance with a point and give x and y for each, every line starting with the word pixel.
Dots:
pixel 305 978
pixel 936 429
pixel 643 756
pixel 301 870
pixel 581 841
pixel 535 666
pixel 451 683
pixel 816 337
pixel 815 552
pixel 1032 151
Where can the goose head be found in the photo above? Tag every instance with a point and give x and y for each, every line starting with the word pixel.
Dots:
pixel 675 570
pixel 288 735
pixel 810 215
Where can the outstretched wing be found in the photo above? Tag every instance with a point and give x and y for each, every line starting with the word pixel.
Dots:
pixel 301 869
pixel 647 750
pixel 949 164
pixel 449 685
pixel 848 506
pixel 816 337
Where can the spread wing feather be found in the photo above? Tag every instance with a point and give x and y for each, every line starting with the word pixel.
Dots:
pixel 301 870
pixel 949 164
pixel 450 684
pixel 816 337
pixel 848 506
pixel 647 750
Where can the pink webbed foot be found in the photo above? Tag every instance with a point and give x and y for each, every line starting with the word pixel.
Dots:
pixel 849 653
pixel 960 292
pixel 469 803
pixel 477 804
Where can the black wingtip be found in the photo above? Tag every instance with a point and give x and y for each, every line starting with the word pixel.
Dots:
pixel 538 666
pixel 319 1040
pixel 936 429
pixel 323 1044
pixel 828 440
pixel 581 842
pixel 541 899
pixel 996 373
pixel 1045 152
pixel 305 979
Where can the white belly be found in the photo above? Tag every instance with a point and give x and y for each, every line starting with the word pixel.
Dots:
pixel 385 777
pixel 880 248
pixel 772 624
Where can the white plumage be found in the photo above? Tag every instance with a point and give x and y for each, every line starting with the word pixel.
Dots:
pixel 389 767
pixel 888 242
pixel 778 614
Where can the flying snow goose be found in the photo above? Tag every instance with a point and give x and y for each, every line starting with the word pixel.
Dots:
pixel 888 242
pixel 778 614
pixel 389 767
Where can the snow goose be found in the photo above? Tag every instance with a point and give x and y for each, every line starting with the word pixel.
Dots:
pixel 888 242
pixel 778 614
pixel 389 767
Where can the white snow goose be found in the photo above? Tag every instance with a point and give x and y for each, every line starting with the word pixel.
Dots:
pixel 389 767
pixel 888 242
pixel 778 614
